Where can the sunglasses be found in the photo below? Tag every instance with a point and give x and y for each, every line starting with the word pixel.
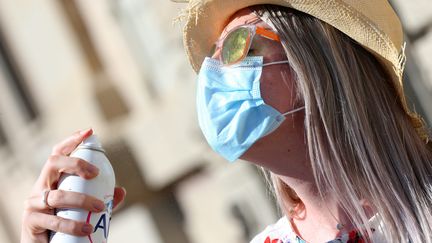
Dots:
pixel 236 45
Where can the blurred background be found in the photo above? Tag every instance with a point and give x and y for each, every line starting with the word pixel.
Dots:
pixel 119 67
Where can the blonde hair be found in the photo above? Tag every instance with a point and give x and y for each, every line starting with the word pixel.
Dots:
pixel 361 142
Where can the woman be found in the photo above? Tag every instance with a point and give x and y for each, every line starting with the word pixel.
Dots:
pixel 355 162
pixel 325 116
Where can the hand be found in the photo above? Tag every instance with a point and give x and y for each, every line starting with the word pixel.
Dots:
pixel 38 217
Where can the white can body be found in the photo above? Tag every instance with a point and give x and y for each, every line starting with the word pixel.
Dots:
pixel 101 187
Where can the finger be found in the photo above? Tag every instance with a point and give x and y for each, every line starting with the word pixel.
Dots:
pixel 40 222
pixel 65 199
pixel 119 196
pixel 58 164
pixel 69 144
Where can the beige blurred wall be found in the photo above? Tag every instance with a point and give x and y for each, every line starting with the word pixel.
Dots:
pixel 126 76
pixel 416 16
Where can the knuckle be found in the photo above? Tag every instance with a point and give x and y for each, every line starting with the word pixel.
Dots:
pixel 28 221
pixel 55 198
pixel 52 159
pixel 81 199
pixel 26 216
pixel 55 223
pixel 27 204
pixel 56 148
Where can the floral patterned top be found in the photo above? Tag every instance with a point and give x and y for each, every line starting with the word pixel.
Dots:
pixel 281 232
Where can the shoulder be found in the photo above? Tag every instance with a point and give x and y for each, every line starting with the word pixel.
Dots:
pixel 280 232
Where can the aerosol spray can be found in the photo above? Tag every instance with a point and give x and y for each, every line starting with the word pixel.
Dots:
pixel 101 187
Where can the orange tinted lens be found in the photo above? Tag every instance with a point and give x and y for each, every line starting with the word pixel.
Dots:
pixel 235 45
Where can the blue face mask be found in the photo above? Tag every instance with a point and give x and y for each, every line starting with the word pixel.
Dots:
pixel 231 113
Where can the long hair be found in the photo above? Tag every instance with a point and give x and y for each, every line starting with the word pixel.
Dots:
pixel 361 143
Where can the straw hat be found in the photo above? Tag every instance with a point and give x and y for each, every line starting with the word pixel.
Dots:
pixel 372 23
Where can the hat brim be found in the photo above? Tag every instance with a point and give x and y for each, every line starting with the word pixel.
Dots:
pixel 207 19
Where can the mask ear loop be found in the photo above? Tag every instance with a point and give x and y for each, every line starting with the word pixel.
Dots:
pixel 274 63
pixel 293 111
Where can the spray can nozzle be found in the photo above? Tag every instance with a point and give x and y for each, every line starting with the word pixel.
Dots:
pixel 92 142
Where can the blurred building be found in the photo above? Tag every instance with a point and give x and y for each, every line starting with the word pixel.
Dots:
pixel 119 67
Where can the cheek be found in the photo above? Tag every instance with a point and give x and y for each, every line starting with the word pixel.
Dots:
pixel 277 88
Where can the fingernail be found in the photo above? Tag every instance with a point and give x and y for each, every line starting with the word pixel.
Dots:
pixel 87 229
pixel 93 170
pixel 85 131
pixel 99 206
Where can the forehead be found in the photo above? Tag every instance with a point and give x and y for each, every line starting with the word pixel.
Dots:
pixel 242 17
